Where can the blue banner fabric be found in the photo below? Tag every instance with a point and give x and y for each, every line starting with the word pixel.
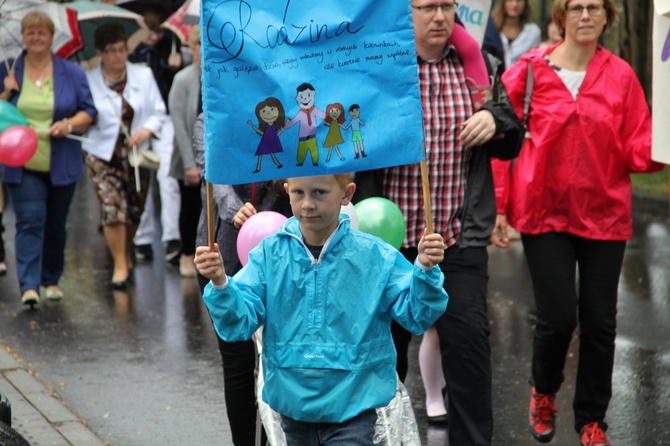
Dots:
pixel 294 88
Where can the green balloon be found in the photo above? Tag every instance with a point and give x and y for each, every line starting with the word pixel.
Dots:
pixel 381 217
pixel 10 116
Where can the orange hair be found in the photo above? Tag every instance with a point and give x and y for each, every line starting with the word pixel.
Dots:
pixel 338 106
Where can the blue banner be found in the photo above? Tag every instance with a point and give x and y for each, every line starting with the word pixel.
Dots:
pixel 295 88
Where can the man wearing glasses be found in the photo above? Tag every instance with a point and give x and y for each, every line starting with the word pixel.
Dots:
pixel 459 144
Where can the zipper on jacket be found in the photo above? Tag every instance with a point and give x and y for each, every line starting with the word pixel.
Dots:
pixel 317 302
pixel 316 307
pixel 314 260
pixel 328 240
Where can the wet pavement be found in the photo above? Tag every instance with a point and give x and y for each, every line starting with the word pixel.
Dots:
pixel 142 367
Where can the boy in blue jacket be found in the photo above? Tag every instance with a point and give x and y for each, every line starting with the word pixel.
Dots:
pixel 326 294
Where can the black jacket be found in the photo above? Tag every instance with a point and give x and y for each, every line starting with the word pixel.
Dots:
pixel 479 207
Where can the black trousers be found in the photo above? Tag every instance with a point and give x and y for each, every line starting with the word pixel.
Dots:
pixel 562 302
pixel 2 242
pixel 239 384
pixel 189 213
pixel 464 343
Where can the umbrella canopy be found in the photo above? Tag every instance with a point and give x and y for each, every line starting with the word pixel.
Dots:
pixel 192 12
pixel 67 38
pixel 181 21
pixel 91 15
pixel 139 6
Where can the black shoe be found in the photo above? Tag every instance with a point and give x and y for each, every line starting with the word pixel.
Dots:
pixel 438 420
pixel 144 252
pixel 120 285
pixel 5 411
pixel 172 252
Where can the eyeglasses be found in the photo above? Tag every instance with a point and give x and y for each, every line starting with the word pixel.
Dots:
pixel 430 10
pixel 112 51
pixel 578 10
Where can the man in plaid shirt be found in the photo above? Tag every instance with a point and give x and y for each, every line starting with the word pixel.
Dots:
pixel 459 144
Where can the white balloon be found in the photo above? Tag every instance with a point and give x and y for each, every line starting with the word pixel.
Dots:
pixel 350 210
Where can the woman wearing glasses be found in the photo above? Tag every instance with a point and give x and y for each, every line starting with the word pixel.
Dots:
pixel 131 110
pixel 570 198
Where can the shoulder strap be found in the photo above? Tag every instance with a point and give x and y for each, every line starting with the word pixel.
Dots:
pixel 530 81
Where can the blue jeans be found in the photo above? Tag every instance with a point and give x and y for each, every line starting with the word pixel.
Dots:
pixel 41 213
pixel 358 431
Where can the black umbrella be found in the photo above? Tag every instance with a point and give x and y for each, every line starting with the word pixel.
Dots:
pixel 139 6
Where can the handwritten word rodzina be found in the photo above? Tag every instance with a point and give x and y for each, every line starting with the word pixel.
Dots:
pixel 231 36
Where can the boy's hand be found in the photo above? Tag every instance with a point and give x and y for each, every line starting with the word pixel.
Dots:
pixel 210 265
pixel 431 249
pixel 243 215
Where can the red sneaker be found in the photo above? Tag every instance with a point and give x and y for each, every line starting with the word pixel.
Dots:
pixel 592 435
pixel 542 415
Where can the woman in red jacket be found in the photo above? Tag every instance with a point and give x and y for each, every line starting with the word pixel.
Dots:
pixel 569 195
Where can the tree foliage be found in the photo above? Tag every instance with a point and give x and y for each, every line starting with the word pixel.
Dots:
pixel 635 38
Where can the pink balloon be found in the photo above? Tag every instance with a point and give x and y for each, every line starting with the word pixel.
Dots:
pixel 18 144
pixel 255 229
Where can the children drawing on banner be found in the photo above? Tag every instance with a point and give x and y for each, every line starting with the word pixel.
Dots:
pixel 271 118
pixel 334 120
pixel 355 125
pixel 306 117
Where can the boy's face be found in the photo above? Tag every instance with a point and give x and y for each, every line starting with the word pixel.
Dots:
pixel 316 204
pixel 306 98
pixel 355 112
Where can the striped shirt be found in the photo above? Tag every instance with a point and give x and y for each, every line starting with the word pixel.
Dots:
pixel 446 105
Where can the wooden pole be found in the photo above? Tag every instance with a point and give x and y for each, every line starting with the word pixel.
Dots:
pixel 210 215
pixel 427 206
pixel 426 196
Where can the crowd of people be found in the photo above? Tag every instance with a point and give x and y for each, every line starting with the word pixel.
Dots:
pixel 525 156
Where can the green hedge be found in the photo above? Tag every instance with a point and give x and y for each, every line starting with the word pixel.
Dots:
pixel 655 183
